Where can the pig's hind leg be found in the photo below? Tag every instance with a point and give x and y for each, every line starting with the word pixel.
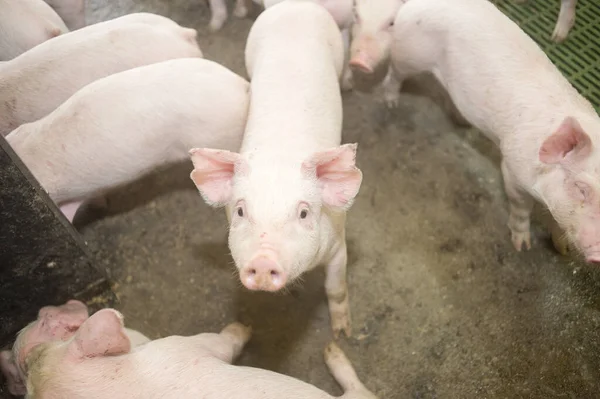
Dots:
pixel 337 292
pixel 565 21
pixel 521 205
pixel 343 372
pixel 228 344
pixel 218 10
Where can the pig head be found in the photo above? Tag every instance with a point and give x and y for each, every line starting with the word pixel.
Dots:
pixel 372 34
pixel 282 220
pixel 54 323
pixel 570 184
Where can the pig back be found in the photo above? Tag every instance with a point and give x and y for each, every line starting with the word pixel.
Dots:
pixel 38 81
pixel 295 104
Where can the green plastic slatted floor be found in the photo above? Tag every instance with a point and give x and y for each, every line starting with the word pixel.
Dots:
pixel 578 57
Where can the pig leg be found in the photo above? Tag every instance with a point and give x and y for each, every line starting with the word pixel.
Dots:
pixel 218 10
pixel 337 293
pixel 228 344
pixel 391 89
pixel 241 8
pixel 347 82
pixel 559 238
pixel 521 205
pixel 343 372
pixel 566 20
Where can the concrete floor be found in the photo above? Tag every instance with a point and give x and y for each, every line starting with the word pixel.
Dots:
pixel 442 305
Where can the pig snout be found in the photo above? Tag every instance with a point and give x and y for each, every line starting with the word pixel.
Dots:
pixel 361 61
pixel 263 274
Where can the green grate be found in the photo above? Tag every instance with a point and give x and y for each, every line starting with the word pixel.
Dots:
pixel 578 57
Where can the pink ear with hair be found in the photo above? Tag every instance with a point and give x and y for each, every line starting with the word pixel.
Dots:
pixel 569 143
pixel 213 174
pixel 338 177
pixel 103 334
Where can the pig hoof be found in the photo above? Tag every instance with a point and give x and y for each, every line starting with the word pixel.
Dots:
pixel 240 11
pixel 216 24
pixel 239 330
pixel 521 239
pixel 347 82
pixel 560 34
pixel 392 100
pixel 341 324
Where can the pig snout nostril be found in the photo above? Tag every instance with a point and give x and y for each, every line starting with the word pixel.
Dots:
pixel 251 272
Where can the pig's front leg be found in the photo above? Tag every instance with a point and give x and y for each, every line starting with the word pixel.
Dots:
pixel 559 237
pixel 228 344
pixel 218 10
pixel 391 89
pixel 240 9
pixel 566 20
pixel 337 292
pixel 521 205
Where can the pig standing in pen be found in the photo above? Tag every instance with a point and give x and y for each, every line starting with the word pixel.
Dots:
pixel 90 145
pixel 287 192
pixel 98 362
pixel 505 85
pixel 25 24
pixel 38 81
pixel 53 324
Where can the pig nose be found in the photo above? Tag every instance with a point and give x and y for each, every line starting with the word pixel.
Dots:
pixel 263 274
pixel 593 258
pixel 361 62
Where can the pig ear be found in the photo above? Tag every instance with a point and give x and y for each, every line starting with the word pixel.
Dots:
pixel 213 174
pixel 61 321
pixel 103 334
pixel 569 143
pixel 339 178
pixel 11 373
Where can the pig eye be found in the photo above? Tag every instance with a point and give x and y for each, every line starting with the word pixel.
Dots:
pixel 583 190
pixel 303 214
pixel 240 212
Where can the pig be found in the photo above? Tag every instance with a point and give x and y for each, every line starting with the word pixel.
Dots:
pixel 287 191
pixel 371 39
pixel 38 81
pixel 89 145
pixel 340 10
pixel 26 23
pixel 506 86
pixel 98 363
pixel 72 12
pixel 54 323
pixel 565 21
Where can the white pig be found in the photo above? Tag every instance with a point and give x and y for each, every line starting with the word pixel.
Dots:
pixel 565 21
pixel 286 193
pixel 371 39
pixel 24 24
pixel 71 11
pixel 506 86
pixel 38 81
pixel 54 323
pixel 91 144
pixel 340 10
pixel 98 363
